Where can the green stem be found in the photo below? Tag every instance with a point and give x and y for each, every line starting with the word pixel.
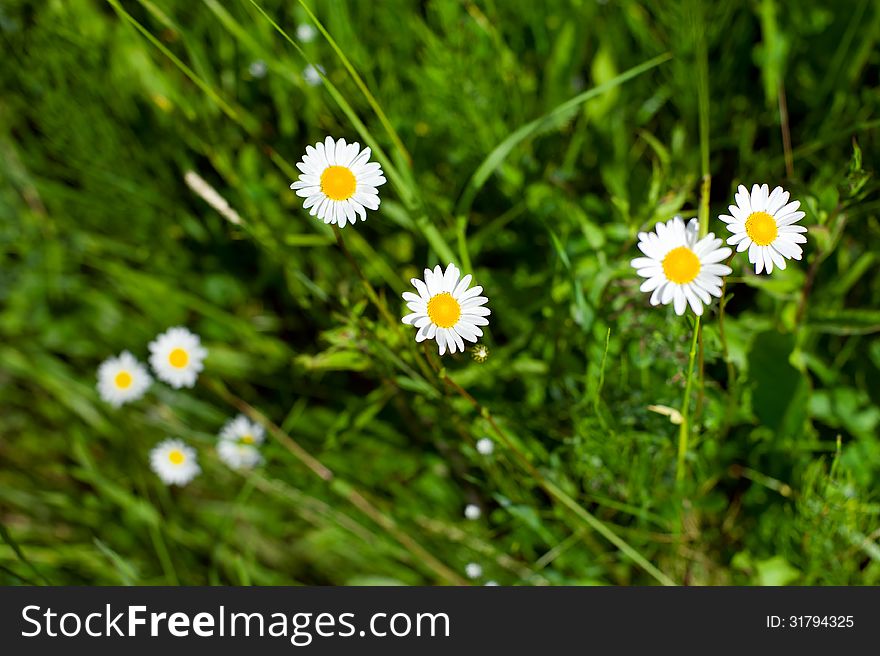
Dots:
pixel 684 430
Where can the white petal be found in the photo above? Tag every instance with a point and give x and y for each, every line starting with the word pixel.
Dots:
pixel 461 286
pixel 693 301
pixel 330 150
pixel 679 300
pixel 450 278
pixel 473 291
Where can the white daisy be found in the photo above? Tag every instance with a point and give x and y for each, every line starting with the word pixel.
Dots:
pixel 764 223
pixel 174 462
pixel 243 431
pixel 237 455
pixel 338 181
pixel 485 446
pixel 122 379
pixel 680 268
pixel 238 443
pixel 473 570
pixel 445 309
pixel 176 356
pixel 472 511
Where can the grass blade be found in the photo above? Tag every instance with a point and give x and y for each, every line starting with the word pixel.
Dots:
pixel 502 150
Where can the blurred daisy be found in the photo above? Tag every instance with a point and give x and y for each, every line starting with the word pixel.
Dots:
pixel 174 462
pixel 176 356
pixel 239 456
pixel 681 269
pixel 491 584
pixel 305 32
pixel 122 379
pixel 338 181
pixel 238 443
pixel 242 431
pixel 480 352
pixel 485 446
pixel 472 511
pixel 473 570
pixel 312 74
pixel 445 309
pixel 764 223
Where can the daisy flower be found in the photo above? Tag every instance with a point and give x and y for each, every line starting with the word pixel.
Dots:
pixel 472 511
pixel 764 223
pixel 176 356
pixel 122 379
pixel 485 446
pixel 445 309
pixel 473 570
pixel 681 269
pixel 338 181
pixel 238 456
pixel 238 443
pixel 174 462
pixel 242 431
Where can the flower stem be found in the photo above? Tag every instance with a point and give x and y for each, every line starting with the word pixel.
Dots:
pixel 684 430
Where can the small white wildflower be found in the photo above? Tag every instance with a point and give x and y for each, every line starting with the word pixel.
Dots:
pixel 445 310
pixel 176 356
pixel 473 570
pixel 174 462
pixel 312 74
pixel 239 456
pixel 258 69
pixel 339 182
pixel 238 442
pixel 491 584
pixel 242 430
pixel 485 446
pixel 679 267
pixel 306 32
pixel 472 511
pixel 765 223
pixel 122 379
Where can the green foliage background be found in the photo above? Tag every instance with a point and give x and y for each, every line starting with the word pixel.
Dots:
pixel 104 108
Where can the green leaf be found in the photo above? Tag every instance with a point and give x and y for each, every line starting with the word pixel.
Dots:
pixel 780 394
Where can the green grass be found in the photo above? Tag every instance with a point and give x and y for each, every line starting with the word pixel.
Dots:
pixel 526 142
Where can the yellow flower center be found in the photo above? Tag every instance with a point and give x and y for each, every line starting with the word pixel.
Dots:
pixel 178 358
pixel 444 310
pixel 247 439
pixel 176 457
pixel 338 182
pixel 123 380
pixel 761 228
pixel 681 265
